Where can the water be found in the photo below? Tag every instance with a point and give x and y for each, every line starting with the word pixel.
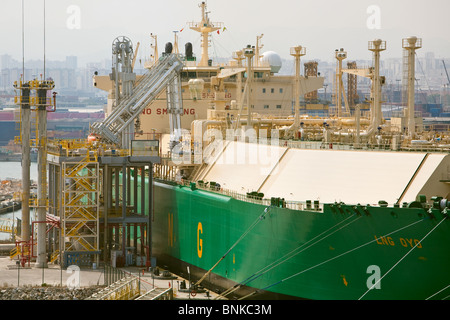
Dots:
pixel 13 170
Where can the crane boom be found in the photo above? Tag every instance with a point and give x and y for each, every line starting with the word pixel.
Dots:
pixel 445 68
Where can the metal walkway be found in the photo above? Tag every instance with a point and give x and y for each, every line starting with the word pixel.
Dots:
pixel 128 288
pixel 165 74
pixel 124 289
pixel 157 294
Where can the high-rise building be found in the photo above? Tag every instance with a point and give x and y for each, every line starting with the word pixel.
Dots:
pixel 71 62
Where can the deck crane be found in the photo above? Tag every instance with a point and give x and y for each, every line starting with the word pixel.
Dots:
pixel 445 68
pixel 165 74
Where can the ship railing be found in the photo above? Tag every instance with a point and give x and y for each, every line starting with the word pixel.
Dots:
pixel 81 147
pixel 388 147
pixel 308 205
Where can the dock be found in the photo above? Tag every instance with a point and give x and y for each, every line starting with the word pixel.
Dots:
pixel 127 283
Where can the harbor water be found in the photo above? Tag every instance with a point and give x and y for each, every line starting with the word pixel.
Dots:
pixel 13 170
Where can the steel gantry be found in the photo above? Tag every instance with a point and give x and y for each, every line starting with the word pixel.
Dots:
pixel 80 205
pixel 104 200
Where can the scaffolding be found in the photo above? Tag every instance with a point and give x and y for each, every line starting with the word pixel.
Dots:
pixel 103 197
pixel 80 208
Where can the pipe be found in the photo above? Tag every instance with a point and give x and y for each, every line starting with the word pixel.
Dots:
pixel 25 133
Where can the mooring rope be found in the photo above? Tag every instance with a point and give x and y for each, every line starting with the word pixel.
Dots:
pixel 331 259
pixel 438 293
pixel 401 259
pixel 260 218
pixel 287 256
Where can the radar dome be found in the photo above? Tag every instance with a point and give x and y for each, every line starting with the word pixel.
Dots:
pixel 273 59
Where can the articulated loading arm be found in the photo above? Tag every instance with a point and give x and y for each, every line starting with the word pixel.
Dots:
pixel 164 75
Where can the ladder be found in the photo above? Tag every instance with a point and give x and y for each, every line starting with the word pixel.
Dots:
pixel 164 75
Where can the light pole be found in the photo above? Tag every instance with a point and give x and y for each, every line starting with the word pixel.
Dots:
pixel 189 273
pixel 18 272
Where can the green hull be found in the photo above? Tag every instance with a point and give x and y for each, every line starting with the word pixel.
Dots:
pixel 335 254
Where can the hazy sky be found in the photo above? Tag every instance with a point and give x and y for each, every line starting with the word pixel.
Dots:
pixel 86 28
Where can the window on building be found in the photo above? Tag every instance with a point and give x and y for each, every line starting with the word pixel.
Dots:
pixel 264 90
pixel 272 90
pixel 281 90
pixel 266 106
pixel 278 106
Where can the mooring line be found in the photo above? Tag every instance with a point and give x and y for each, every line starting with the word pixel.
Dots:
pixel 286 257
pixel 401 259
pixel 260 218
pixel 438 293
pixel 331 259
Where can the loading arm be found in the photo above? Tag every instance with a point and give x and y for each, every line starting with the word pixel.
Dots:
pixel 164 75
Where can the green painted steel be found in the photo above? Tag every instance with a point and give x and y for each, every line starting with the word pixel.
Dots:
pixel 335 254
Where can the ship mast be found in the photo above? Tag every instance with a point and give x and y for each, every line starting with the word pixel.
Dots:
pixel 297 52
pixel 155 47
pixel 205 27
pixel 258 47
pixel 411 44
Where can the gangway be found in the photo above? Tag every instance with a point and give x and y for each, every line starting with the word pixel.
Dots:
pixel 164 75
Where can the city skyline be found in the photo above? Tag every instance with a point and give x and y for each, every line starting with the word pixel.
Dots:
pixel 86 29
pixel 68 74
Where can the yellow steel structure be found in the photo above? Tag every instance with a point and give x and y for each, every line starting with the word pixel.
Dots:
pixel 14 252
pixel 7 225
pixel 75 188
pixel 80 204
pixel 54 256
pixel 33 102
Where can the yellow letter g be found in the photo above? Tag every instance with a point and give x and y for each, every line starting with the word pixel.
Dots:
pixel 199 241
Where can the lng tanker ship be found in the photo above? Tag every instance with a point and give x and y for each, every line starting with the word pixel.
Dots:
pixel 281 205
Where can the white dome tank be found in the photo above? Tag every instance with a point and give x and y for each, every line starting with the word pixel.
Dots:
pixel 273 59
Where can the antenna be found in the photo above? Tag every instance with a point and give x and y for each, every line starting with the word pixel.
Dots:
pixel 44 39
pixel 23 41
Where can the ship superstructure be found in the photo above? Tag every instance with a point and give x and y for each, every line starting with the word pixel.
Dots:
pixel 256 205
pixel 212 90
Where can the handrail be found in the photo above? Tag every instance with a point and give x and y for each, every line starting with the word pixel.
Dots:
pixel 293 205
pixel 165 294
